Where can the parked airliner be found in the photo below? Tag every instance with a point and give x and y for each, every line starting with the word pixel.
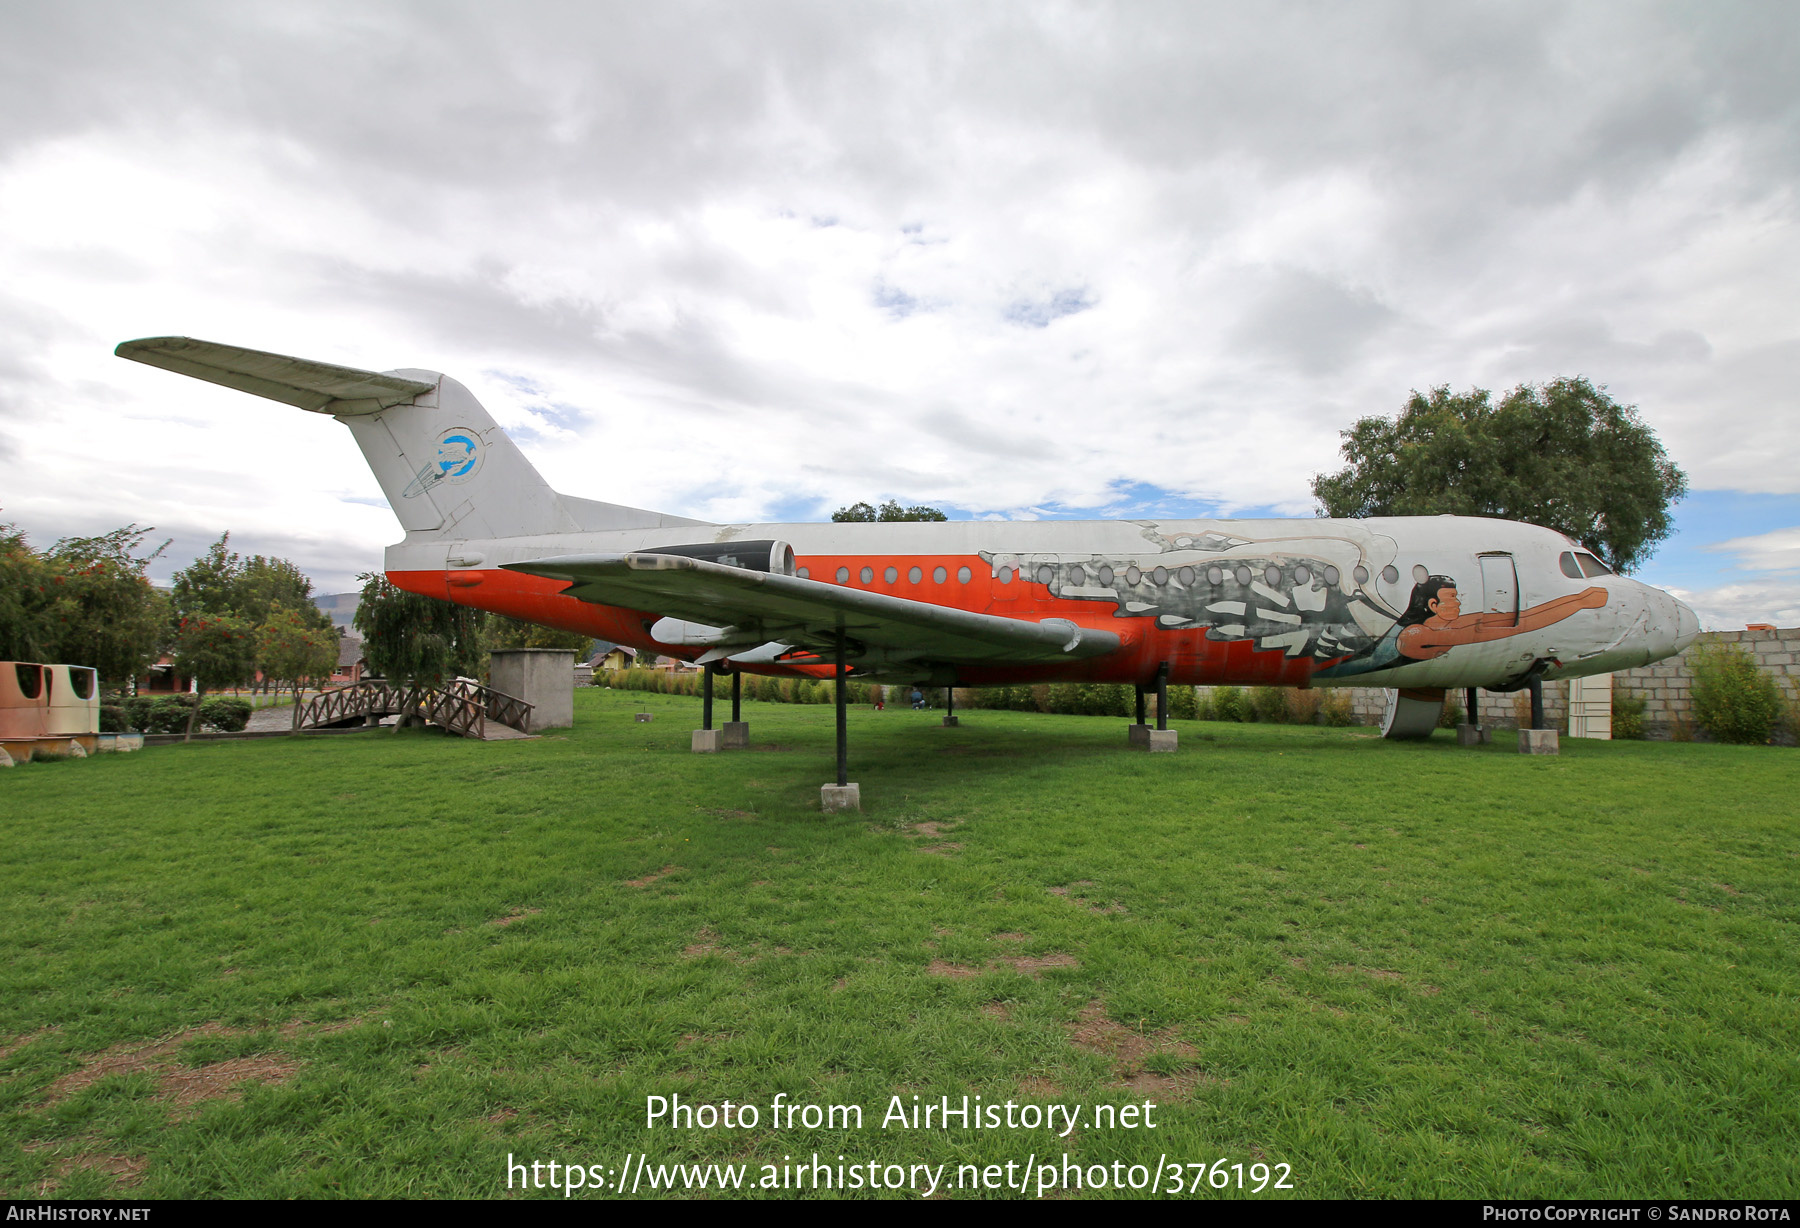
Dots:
pixel 1419 604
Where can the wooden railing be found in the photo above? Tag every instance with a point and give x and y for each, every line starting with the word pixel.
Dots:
pixel 461 707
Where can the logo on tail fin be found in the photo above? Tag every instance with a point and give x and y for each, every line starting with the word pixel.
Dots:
pixel 457 459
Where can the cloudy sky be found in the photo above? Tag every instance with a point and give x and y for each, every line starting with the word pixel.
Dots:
pixel 759 260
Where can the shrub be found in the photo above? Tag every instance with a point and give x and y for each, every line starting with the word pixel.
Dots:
pixel 1733 699
pixel 1269 703
pixel 165 714
pixel 113 719
pixel 1303 705
pixel 1184 704
pixel 1230 704
pixel 225 713
pixel 1107 699
pixel 1627 716
pixel 1452 715
pixel 1338 709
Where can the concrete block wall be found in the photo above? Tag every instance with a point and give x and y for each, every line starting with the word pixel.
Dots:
pixel 1666 687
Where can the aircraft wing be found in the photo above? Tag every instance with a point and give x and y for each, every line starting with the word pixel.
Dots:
pixel 752 608
pixel 318 386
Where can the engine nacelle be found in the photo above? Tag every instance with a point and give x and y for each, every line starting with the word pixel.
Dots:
pixel 768 555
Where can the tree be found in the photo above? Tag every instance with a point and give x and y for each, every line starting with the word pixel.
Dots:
pixel 110 617
pixel 1563 455
pixel 862 513
pixel 209 583
pixel 86 601
pixel 26 594
pixel 258 591
pixel 215 650
pixel 249 588
pixel 409 638
pixel 266 585
pixel 287 650
pixel 504 633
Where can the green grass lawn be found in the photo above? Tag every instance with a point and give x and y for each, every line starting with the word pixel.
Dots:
pixel 376 965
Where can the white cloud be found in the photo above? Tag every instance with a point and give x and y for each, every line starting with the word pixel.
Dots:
pixel 1731 606
pixel 1176 246
pixel 1777 550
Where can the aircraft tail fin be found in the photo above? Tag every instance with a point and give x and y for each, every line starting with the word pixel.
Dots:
pixel 445 466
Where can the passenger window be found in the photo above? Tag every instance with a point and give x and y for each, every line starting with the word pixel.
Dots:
pixel 1566 560
pixel 81 681
pixel 31 679
pixel 1591 566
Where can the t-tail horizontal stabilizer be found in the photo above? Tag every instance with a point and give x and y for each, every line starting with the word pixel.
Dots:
pixel 318 386
pixel 445 466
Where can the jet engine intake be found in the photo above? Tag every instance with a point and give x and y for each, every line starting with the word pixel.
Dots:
pixel 769 555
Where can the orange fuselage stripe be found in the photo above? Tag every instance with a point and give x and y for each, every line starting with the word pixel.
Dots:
pixel 1191 656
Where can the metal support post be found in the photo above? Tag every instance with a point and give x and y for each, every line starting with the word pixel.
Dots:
pixel 843 719
pixel 1139 688
pixel 737 696
pixel 706 700
pixel 1471 707
pixel 1537 703
pixel 1162 696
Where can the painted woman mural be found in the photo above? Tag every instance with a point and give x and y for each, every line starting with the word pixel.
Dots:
pixel 1434 624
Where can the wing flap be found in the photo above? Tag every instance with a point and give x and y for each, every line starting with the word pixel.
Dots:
pixel 811 613
pixel 318 386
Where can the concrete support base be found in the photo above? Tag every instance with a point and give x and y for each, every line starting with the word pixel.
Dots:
pixel 737 735
pixel 836 798
pixel 643 718
pixel 950 720
pixel 1162 740
pixel 706 741
pixel 1539 742
pixel 1470 735
pixel 1138 736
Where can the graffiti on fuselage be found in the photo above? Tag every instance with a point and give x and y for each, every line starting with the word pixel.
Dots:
pixel 1314 599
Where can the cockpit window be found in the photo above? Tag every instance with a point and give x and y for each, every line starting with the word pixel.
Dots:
pixel 1570 567
pixel 1591 566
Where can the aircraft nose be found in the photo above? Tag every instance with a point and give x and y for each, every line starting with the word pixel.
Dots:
pixel 1687 626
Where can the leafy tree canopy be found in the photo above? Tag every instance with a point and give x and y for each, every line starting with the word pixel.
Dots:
pixel 504 632
pixel 409 638
pixel 1563 455
pixel 85 601
pixel 223 582
pixel 288 650
pixel 216 650
pixel 858 513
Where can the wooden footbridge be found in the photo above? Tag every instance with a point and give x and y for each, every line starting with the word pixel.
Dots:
pixel 461 707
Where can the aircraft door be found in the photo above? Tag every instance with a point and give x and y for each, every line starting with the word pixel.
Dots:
pixel 1500 586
